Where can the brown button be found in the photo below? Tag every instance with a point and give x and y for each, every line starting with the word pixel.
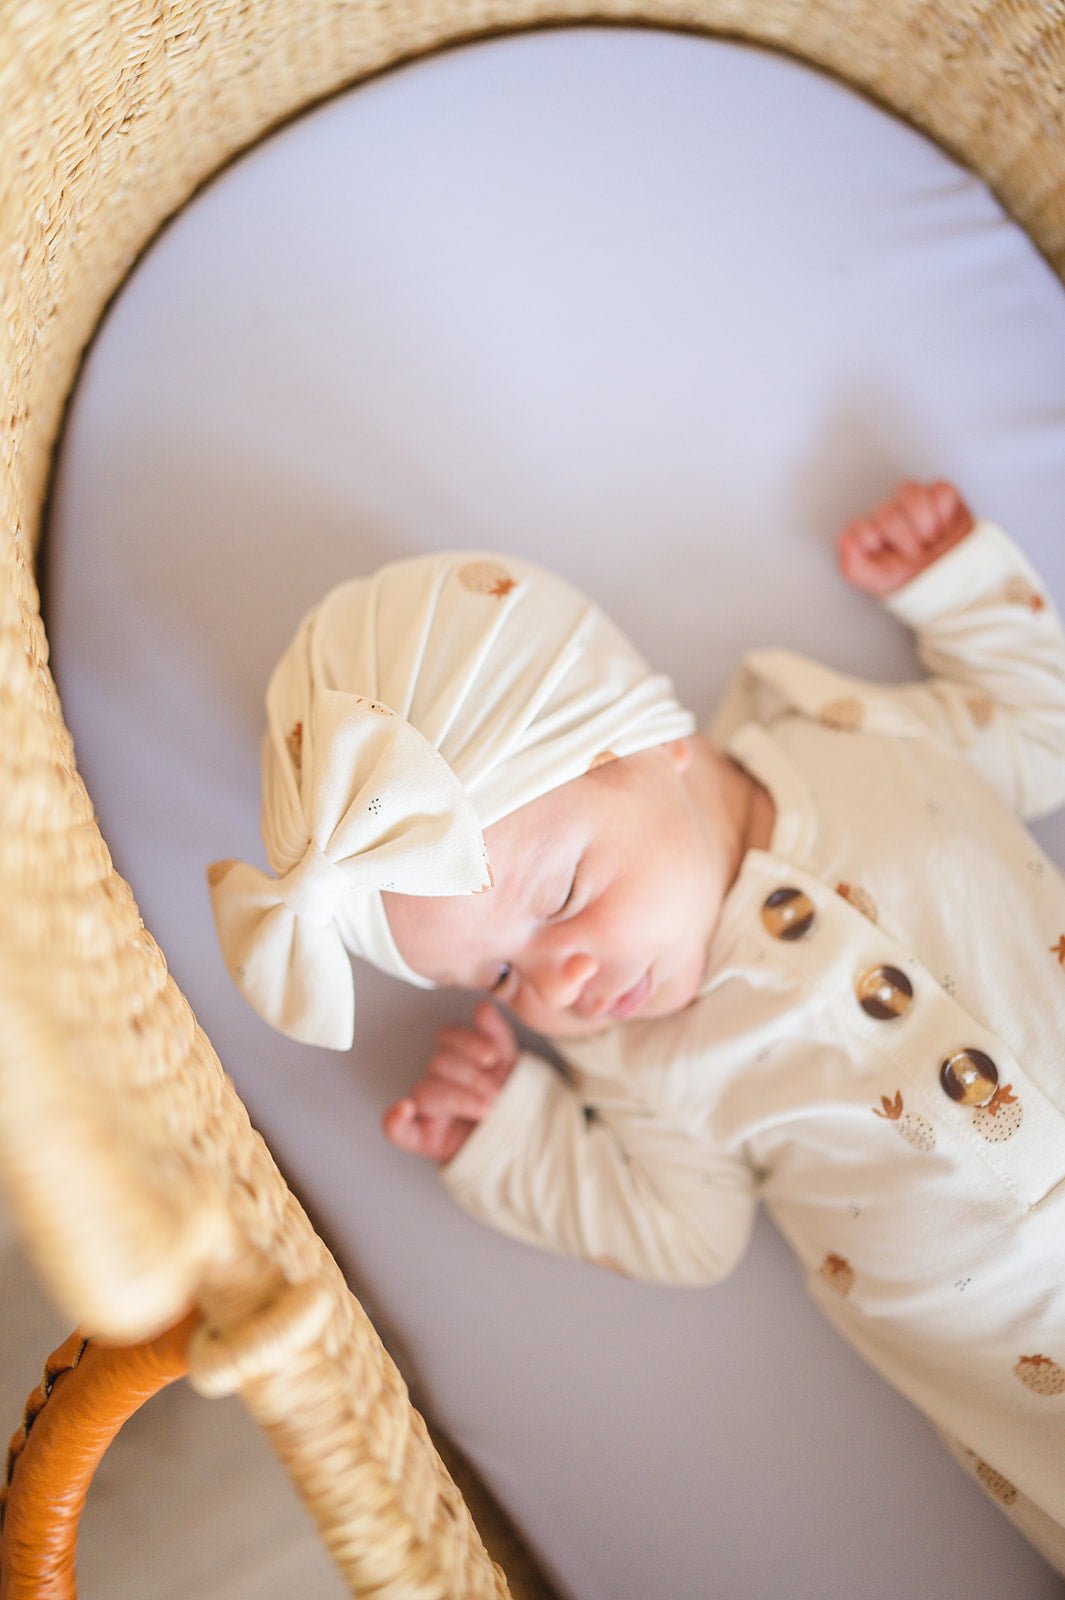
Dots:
pixel 788 914
pixel 970 1077
pixel 884 992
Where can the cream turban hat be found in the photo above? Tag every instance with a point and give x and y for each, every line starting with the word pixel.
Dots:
pixel 413 709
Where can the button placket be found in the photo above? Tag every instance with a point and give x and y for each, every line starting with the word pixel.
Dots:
pixel 833 952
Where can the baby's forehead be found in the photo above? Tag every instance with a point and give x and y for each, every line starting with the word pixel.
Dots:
pixel 449 938
pixel 521 847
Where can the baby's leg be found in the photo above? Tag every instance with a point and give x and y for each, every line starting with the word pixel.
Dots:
pixel 1041 1531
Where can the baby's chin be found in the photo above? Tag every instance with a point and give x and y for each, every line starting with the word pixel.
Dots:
pixel 668 1001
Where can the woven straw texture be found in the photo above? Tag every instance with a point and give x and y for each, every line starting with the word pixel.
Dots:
pixel 139 1182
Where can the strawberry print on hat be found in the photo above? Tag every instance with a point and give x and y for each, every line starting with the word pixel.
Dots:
pixel 838 1273
pixel 981 709
pixel 608 1264
pixel 487 577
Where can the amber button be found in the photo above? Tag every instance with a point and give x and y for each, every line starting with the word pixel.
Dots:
pixel 970 1077
pixel 788 913
pixel 884 992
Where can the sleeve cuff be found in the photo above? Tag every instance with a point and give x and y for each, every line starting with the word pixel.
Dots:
pixel 982 562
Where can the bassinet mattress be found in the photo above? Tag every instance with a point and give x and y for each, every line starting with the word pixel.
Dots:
pixel 662 313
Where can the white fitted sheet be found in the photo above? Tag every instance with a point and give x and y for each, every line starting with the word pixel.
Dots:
pixel 662 313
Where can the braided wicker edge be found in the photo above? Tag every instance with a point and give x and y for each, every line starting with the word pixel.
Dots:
pixel 112 114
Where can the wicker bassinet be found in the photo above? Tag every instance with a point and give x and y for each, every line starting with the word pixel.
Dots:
pixel 147 1200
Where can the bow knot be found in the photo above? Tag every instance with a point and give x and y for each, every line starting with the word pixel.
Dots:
pixel 315 887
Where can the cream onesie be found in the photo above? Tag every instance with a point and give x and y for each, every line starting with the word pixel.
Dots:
pixel 878 1048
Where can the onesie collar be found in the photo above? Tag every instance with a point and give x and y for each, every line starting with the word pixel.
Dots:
pixel 794 831
pixel 795 827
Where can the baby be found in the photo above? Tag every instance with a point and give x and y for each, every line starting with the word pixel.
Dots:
pixel 809 956
pixel 570 959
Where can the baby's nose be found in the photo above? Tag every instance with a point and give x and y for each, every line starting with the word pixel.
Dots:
pixel 561 983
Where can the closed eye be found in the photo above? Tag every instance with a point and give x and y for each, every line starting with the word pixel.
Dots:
pixel 569 896
pixel 505 968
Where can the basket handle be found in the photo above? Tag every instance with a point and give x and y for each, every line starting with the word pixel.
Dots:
pixel 87 1393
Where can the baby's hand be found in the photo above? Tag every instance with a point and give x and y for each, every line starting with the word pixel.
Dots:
pixel 920 523
pixel 465 1073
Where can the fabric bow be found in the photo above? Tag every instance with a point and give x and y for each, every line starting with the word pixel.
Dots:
pixel 374 806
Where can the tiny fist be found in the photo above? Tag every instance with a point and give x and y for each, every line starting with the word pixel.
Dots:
pixel 902 536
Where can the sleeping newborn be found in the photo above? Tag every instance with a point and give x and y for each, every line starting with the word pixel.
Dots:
pixel 808 955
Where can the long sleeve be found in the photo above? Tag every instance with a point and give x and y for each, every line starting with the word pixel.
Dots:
pixel 989 634
pixel 611 1184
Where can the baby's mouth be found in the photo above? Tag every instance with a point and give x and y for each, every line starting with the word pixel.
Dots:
pixel 631 1000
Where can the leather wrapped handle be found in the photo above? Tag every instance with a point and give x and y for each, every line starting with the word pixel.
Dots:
pixel 86 1395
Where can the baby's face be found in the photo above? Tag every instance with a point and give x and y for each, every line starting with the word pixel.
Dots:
pixel 607 892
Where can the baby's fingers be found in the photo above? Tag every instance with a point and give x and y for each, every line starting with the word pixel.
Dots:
pixel 437 1139
pixel 936 510
pixel 903 536
pixel 922 506
pixel 493 1025
pixel 468 1044
pixel 869 562
pixel 406 1129
pixel 955 519
pixel 437 1097
pixel 898 529
pixel 448 1067
pixel 862 536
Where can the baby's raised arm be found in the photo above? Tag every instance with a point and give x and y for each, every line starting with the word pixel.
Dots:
pixel 986 630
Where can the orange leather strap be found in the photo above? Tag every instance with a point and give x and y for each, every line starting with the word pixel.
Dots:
pixel 87 1393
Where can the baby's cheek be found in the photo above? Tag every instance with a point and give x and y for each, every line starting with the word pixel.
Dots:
pixel 553 1024
pixel 619 922
pixel 683 991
